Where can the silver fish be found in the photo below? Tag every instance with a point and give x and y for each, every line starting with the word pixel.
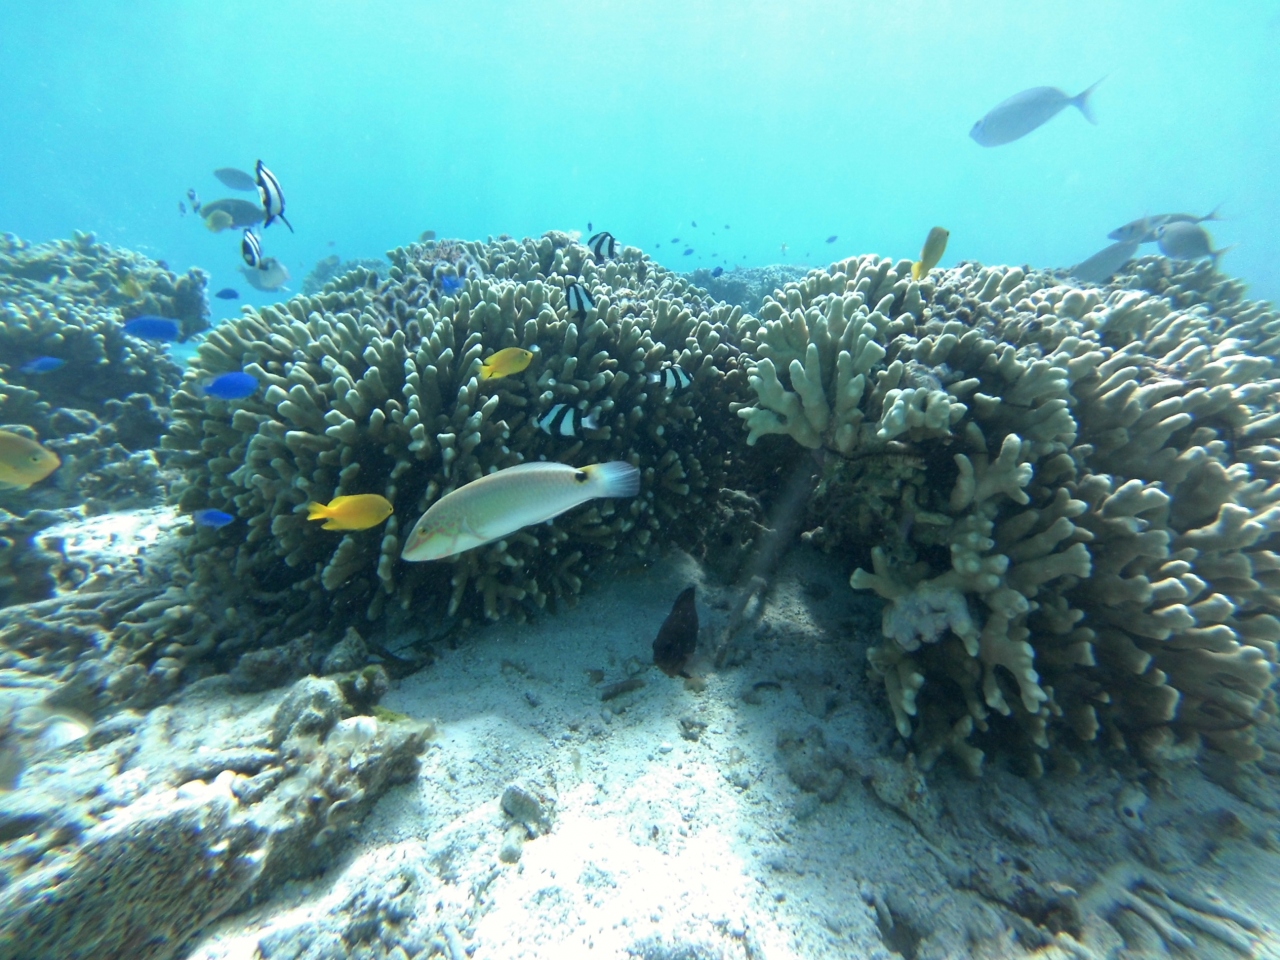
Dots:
pixel 1187 241
pixel 1102 265
pixel 1144 229
pixel 1023 112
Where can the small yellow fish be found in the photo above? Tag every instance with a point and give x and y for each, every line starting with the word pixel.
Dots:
pixel 935 245
pixel 358 512
pixel 505 363
pixel 23 461
pixel 218 221
pixel 131 288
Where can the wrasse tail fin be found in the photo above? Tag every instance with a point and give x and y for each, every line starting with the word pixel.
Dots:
pixel 616 478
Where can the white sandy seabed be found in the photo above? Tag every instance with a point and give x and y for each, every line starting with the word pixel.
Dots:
pixel 769 814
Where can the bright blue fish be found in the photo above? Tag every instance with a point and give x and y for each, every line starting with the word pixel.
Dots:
pixel 688 250
pixel 153 328
pixel 833 238
pixel 42 365
pixel 212 518
pixel 228 293
pixel 717 271
pixel 451 284
pixel 231 386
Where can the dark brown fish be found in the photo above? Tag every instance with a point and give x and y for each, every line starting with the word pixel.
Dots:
pixel 678 636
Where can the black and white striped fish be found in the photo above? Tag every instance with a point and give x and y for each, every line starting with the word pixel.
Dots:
pixel 603 245
pixel 251 249
pixel 579 300
pixel 271 197
pixel 566 421
pixel 672 377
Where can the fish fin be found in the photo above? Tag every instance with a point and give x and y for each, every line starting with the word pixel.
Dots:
pixel 917 270
pixel 1217 254
pixel 280 216
pixel 1212 214
pixel 1081 102
pixel 317 511
pixel 617 478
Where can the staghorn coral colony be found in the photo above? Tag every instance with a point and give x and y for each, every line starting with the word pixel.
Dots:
pixel 374 387
pixel 1066 496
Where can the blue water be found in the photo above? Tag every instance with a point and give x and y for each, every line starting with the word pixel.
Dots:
pixel 789 123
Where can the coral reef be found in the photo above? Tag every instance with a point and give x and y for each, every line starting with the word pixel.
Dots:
pixel 1070 493
pixel 333 266
pixel 103 410
pixel 373 387
pixel 747 287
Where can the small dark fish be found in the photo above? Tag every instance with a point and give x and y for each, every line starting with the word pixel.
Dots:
pixel 579 300
pixel 694 222
pixel 566 421
pixel 228 293
pixel 195 200
pixel 334 243
pixel 231 386
pixel 603 246
pixel 251 249
pixel 450 283
pixel 424 236
pixel 717 271
pixel 235 179
pixel 675 239
pixel 678 636
pixel 153 328
pixel 672 377
pixel 833 238
pixel 182 209
pixel 212 518
pixel 271 196
pixel 726 226
pixel 42 365
pixel 589 227
pixel 688 250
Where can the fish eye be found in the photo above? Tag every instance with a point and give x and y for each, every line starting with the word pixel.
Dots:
pixel 580 476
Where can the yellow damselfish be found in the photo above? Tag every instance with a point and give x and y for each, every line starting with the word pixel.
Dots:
pixel 23 461
pixel 357 512
pixel 934 247
pixel 505 363
pixel 501 503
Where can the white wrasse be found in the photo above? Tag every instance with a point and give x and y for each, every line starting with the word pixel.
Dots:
pixel 492 507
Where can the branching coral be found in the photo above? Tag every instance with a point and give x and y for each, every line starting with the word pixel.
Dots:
pixel 1071 497
pixel 374 388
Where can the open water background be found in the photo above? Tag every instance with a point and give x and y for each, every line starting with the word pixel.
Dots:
pixel 789 122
